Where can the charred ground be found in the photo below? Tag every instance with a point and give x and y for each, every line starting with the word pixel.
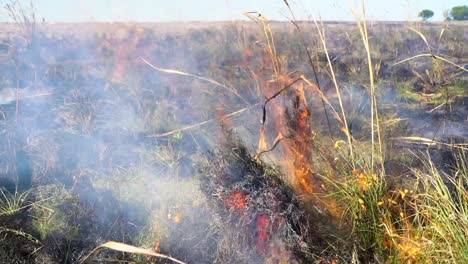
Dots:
pixel 88 151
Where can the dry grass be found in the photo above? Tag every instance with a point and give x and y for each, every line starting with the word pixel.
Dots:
pixel 115 156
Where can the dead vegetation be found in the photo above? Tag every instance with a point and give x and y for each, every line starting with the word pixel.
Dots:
pixel 315 118
pixel 264 219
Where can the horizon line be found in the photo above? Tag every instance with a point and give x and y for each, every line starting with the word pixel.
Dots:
pixel 237 20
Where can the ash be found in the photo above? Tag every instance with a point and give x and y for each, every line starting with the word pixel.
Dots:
pixel 262 217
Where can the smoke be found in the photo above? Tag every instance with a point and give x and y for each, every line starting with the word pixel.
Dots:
pixel 79 111
pixel 76 116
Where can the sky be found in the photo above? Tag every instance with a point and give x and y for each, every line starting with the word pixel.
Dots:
pixel 222 10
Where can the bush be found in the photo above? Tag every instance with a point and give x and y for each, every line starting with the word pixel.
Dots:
pixel 459 13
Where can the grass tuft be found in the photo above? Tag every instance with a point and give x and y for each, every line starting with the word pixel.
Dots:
pixel 12 203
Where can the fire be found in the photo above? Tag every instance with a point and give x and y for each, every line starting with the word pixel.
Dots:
pixel 288 115
pixel 176 217
pixel 291 116
pixel 294 122
pixel 301 93
pixel 263 226
pixel 123 45
pixel 405 240
pixel 364 181
pixel 262 144
pixel 248 53
pixel 236 200
pixel 304 183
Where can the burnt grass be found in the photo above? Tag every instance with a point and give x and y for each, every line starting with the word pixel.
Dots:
pixel 89 155
pixel 243 191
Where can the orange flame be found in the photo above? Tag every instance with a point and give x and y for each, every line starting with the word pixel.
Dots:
pixel 123 45
pixel 301 92
pixel 237 200
pixel 262 144
pixel 263 226
pixel 296 124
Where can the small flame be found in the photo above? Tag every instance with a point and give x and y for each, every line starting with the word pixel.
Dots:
pixel 124 47
pixel 301 92
pixel 279 138
pixel 262 144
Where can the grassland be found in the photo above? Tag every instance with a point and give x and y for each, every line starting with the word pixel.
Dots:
pixel 148 134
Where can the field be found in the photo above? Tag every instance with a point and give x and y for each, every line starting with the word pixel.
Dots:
pixel 234 142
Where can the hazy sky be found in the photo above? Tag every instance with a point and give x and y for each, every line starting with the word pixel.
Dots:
pixel 213 10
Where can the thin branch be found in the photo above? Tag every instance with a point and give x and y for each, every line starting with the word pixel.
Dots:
pixel 128 249
pixel 200 124
pixel 277 141
pixel 171 71
pixel 426 55
pixel 274 96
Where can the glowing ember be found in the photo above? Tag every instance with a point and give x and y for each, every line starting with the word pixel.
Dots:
pixel 237 200
pixel 263 226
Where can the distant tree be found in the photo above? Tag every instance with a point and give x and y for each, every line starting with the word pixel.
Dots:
pixel 459 13
pixel 426 14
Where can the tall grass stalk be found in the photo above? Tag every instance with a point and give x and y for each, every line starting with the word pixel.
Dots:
pixel 375 122
pixel 311 63
pixel 321 32
pixel 270 42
